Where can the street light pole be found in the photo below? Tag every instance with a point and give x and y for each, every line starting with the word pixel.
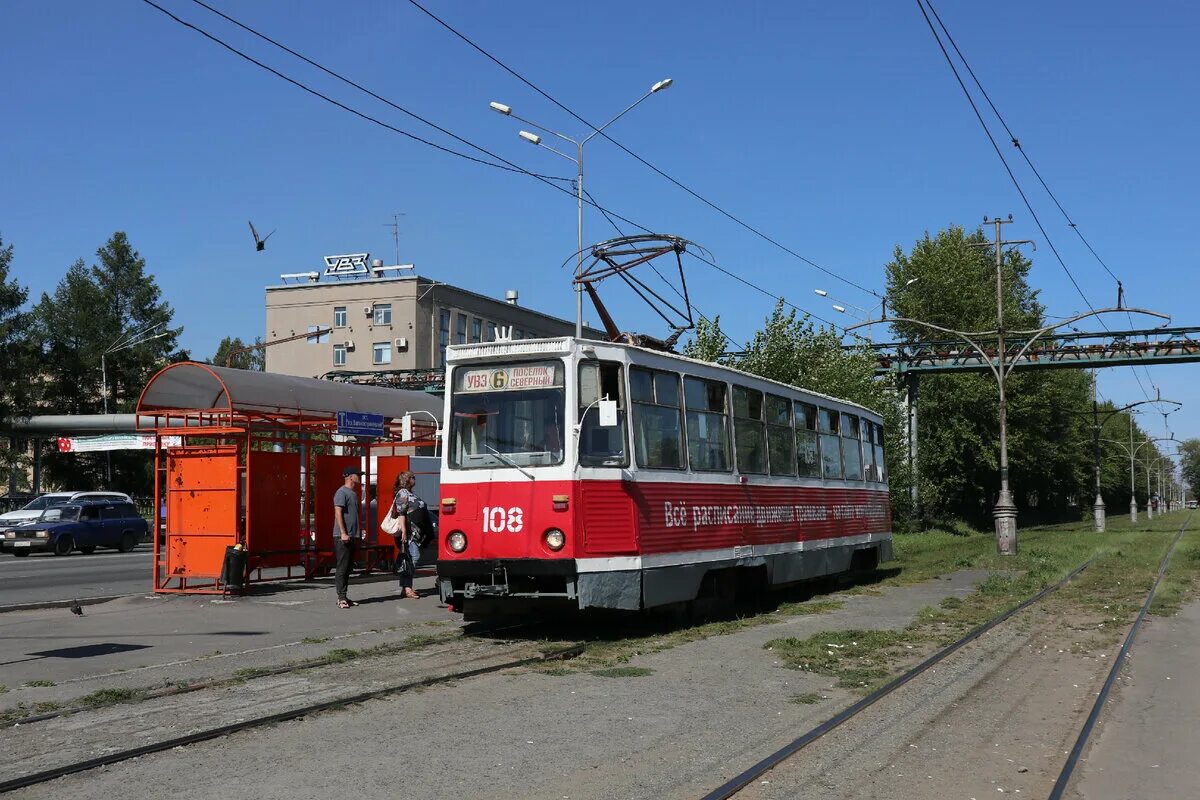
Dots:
pixel 1005 511
pixel 532 138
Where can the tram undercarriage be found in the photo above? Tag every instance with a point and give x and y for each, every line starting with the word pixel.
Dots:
pixel 537 584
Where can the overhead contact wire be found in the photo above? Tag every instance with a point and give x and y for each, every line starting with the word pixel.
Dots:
pixel 1016 142
pixel 506 166
pixel 638 158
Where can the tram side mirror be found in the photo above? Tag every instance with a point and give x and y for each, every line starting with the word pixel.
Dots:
pixel 608 413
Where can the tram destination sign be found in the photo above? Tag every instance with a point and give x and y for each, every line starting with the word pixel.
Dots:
pixel 528 376
pixel 358 423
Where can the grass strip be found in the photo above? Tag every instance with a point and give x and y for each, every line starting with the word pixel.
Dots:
pixel 1094 608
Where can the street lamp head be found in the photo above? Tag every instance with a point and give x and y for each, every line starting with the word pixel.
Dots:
pixel 821 293
pixel 911 281
pixel 839 309
pixel 663 84
pixel 532 138
pixel 500 108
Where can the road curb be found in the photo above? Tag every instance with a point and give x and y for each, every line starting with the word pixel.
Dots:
pixel 91 601
pixel 83 601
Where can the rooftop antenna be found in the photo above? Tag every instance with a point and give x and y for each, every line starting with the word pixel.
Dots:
pixel 395 226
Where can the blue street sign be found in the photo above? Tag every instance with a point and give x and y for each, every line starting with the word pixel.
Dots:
pixel 358 423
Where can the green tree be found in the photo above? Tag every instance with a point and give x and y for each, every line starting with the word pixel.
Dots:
pixel 92 313
pixel 252 359
pixel 18 379
pixel 708 342
pixel 950 280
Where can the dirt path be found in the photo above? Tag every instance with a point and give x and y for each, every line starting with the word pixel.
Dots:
pixel 1146 743
pixel 995 718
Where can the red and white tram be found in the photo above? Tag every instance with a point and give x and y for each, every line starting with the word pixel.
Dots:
pixel 606 475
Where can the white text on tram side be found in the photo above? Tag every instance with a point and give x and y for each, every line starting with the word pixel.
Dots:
pixel 680 515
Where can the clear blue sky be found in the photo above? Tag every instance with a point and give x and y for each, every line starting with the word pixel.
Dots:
pixel 835 127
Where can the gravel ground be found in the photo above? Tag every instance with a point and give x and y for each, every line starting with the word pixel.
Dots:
pixel 1145 742
pixel 998 717
pixel 705 711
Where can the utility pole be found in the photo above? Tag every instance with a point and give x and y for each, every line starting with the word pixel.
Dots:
pixel 1005 511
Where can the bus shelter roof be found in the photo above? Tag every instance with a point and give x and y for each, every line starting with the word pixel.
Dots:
pixel 193 387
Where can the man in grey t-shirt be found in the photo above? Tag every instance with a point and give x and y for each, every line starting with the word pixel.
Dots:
pixel 346 532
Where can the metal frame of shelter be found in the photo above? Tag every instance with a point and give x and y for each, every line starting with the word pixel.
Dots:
pixel 258 467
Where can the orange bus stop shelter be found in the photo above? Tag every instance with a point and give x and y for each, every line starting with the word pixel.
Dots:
pixel 258 466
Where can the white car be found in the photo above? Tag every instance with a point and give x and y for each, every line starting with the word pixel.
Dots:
pixel 34 508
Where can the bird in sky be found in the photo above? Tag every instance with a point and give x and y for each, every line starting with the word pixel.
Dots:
pixel 76 609
pixel 260 244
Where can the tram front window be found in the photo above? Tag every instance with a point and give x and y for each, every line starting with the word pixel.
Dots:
pixel 507 416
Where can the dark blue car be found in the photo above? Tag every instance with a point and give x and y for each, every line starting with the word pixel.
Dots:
pixel 78 526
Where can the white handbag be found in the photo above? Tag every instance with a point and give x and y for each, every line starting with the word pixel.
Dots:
pixel 391 523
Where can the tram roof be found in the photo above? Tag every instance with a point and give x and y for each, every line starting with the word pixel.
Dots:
pixel 191 386
pixel 562 345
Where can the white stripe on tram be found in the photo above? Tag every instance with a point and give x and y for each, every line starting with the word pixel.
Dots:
pixel 618 563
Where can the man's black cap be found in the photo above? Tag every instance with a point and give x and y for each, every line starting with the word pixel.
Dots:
pixel 348 471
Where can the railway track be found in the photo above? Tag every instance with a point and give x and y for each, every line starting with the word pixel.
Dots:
pixel 737 783
pixel 520 656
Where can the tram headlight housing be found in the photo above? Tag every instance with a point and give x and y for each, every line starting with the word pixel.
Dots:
pixel 457 541
pixel 555 539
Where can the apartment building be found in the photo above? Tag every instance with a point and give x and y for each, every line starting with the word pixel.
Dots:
pixel 363 319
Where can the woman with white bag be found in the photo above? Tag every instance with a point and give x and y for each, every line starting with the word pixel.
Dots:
pixel 401 522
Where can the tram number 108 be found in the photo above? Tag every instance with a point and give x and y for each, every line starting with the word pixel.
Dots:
pixel 498 520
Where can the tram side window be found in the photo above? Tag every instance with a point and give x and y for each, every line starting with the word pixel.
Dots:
pixel 749 433
pixel 831 444
pixel 601 446
pixel 852 448
pixel 657 427
pixel 808 451
pixel 781 442
pixel 870 470
pixel 707 425
pixel 880 464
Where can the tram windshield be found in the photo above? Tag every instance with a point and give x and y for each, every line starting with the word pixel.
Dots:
pixel 507 415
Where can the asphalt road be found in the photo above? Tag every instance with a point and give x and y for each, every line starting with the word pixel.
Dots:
pixel 41 577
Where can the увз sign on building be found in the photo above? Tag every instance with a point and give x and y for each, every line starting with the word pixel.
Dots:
pixel 348 265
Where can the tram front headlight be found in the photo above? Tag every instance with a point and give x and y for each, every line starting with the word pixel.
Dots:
pixel 457 541
pixel 555 539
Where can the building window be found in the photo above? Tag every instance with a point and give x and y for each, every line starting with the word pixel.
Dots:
pixel 383 313
pixel 517 333
pixel 339 355
pixel 443 335
pixel 339 316
pixel 491 332
pixel 476 330
pixel 460 329
pixel 315 337
pixel 381 353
